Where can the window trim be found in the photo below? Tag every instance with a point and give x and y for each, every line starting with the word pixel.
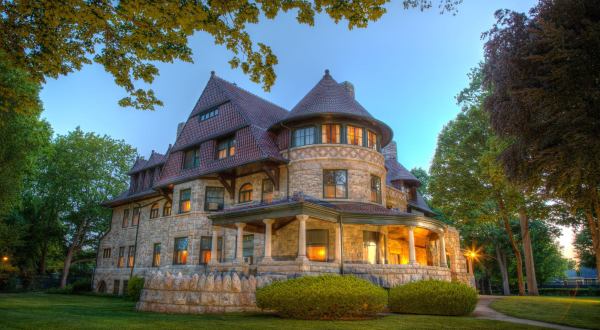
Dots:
pixel 222 205
pixel 356 137
pixel 262 190
pixel 195 158
pixel 154 254
pixel 154 211
pixel 251 191
pixel 106 253
pixel 298 129
pixel 378 193
pixel 170 209
pixel 375 146
pixel 340 136
pixel 346 184
pixel 121 257
pixel 187 249
pixel 230 144
pixel 131 256
pixel 208 114
pixel 136 215
pixel 125 218
pixel 181 201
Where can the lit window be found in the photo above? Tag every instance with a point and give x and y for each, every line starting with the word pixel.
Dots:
pixel 248 248
pixel 135 219
pixel 181 251
pixel 267 191
pixel 125 221
pixel 130 256
pixel 191 158
pixel 226 148
pixel 335 184
pixel 371 140
pixel 375 189
pixel 304 136
pixel 167 209
pixel 106 253
pixel 208 114
pixel 370 246
pixel 331 133
pixel 121 260
pixel 156 255
pixel 154 211
pixel 214 198
pixel 245 193
pixel 354 135
pixel 206 248
pixel 316 244
pixel 185 200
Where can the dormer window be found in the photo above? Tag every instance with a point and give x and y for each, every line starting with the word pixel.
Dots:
pixel 226 148
pixel 371 140
pixel 245 195
pixel 331 133
pixel 354 135
pixel 304 136
pixel 191 158
pixel 213 112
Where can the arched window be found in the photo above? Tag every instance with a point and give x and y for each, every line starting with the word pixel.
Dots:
pixel 167 209
pixel 101 287
pixel 245 193
pixel 154 211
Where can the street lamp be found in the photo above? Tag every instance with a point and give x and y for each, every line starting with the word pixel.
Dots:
pixel 5 259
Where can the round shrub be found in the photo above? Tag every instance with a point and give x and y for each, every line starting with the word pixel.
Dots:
pixel 323 297
pixel 135 287
pixel 433 298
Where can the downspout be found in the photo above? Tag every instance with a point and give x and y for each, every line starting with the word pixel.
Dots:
pixel 341 245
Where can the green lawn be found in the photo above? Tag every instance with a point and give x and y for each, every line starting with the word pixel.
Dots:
pixel 45 311
pixel 581 312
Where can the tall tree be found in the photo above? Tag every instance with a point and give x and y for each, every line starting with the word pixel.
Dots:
pixel 423 177
pixel 84 170
pixel 50 38
pixel 543 73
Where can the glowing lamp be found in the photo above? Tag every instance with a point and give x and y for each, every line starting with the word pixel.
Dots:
pixel 5 259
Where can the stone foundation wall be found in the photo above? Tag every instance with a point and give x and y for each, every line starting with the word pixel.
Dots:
pixel 389 276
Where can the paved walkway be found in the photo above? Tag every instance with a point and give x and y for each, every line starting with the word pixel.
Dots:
pixel 484 311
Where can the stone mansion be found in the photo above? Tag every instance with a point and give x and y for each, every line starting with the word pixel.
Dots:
pixel 254 189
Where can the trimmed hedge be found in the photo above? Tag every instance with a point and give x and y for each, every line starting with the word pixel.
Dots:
pixel 433 297
pixel 325 297
pixel 135 287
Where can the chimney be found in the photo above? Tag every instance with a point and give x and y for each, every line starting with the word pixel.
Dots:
pixel 390 151
pixel 349 88
pixel 179 129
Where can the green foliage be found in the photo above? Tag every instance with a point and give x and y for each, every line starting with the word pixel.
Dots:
pixel 50 39
pixel 135 287
pixel 573 292
pixel 423 177
pixel 66 290
pixel 584 248
pixel 82 285
pixel 433 297
pixel 323 297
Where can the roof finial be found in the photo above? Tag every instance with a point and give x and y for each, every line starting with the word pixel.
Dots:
pixel 326 72
pixel 212 73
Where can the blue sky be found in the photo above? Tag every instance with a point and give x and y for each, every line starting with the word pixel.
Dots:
pixel 406 69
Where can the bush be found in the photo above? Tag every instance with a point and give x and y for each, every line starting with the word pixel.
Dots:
pixel 433 298
pixel 66 290
pixel 573 292
pixel 82 285
pixel 135 287
pixel 323 297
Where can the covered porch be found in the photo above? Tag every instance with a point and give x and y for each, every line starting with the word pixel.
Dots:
pixel 307 237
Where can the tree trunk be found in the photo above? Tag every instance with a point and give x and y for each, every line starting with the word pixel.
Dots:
pixel 67 266
pixel 501 258
pixel 513 245
pixel 42 265
pixel 593 227
pixel 532 287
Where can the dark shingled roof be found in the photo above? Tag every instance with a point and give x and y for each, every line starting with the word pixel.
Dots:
pixel 397 172
pixel 328 96
pixel 154 160
pixel 421 204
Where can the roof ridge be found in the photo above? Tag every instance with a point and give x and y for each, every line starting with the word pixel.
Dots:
pixel 234 85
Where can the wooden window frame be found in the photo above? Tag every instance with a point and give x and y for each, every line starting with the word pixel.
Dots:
pixel 357 137
pixel 125 219
pixel 181 200
pixel 191 158
pixel 176 260
pixel 106 253
pixel 121 257
pixel 300 133
pixel 328 128
pixel 262 191
pixel 372 144
pixel 245 192
pixel 208 114
pixel 154 210
pixel 325 173
pixel 229 149
pixel 376 189
pixel 131 256
pixel 135 217
pixel 310 244
pixel 167 208
pixel 221 201
pixel 156 255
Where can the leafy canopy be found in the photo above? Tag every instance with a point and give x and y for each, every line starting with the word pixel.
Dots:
pixel 51 38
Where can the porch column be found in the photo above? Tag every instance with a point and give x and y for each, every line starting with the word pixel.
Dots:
pixel 412 255
pixel 338 244
pixel 239 253
pixel 381 245
pixel 268 234
pixel 443 261
pixel 302 237
pixel 214 250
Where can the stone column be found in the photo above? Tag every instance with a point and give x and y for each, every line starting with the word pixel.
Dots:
pixel 302 237
pixel 268 234
pixel 412 255
pixel 214 245
pixel 381 245
pixel 338 244
pixel 443 261
pixel 239 253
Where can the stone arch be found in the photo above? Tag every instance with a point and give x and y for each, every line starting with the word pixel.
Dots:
pixel 101 287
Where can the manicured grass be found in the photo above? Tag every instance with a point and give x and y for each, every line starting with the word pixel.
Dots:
pixel 581 312
pixel 46 311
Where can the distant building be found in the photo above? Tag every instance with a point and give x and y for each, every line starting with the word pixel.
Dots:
pixel 251 188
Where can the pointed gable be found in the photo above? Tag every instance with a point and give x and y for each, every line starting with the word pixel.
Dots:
pixel 329 97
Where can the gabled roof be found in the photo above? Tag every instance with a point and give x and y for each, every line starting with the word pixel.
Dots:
pixel 421 204
pixel 328 97
pixel 154 160
pixel 397 172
